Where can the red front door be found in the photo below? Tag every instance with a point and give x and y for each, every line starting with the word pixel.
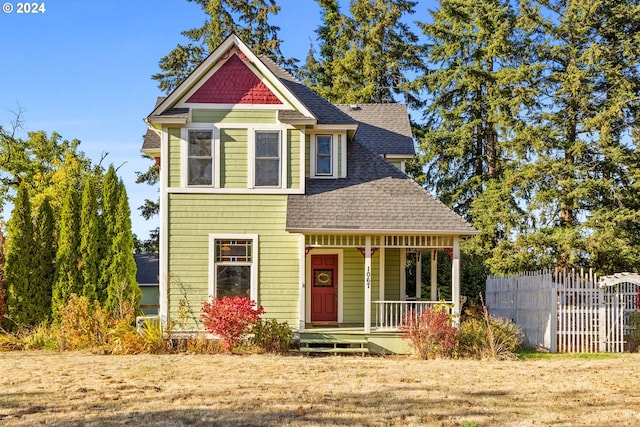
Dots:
pixel 324 288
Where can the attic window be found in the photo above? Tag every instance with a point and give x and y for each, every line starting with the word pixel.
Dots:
pixel 324 155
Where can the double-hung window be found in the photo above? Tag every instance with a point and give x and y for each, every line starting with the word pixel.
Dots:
pixel 268 154
pixel 200 157
pixel 324 155
pixel 234 266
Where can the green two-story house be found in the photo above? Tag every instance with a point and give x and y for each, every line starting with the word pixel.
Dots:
pixel 269 191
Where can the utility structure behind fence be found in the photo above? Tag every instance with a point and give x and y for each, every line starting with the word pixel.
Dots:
pixel 568 311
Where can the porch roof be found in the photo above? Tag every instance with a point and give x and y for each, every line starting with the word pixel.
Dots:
pixel 375 197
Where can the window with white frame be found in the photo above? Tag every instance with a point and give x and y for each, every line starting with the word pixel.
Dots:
pixel 200 157
pixel 234 266
pixel 267 158
pixel 324 155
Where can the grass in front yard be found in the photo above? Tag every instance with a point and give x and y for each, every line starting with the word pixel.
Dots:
pixel 73 388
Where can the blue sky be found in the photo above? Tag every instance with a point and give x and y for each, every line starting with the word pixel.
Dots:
pixel 83 69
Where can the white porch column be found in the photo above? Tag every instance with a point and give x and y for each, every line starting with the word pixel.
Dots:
pixel 302 302
pixel 418 276
pixel 381 274
pixel 434 275
pixel 367 285
pixel 455 278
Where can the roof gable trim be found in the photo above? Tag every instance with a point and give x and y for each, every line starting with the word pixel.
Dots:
pixel 214 62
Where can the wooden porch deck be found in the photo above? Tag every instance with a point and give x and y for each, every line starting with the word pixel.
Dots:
pixel 351 338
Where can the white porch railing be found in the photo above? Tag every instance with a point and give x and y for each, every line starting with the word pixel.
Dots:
pixel 390 314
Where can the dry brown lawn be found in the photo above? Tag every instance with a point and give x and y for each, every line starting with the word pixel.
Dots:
pixel 260 390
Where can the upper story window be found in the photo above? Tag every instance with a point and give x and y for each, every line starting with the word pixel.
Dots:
pixel 200 157
pixel 267 159
pixel 324 155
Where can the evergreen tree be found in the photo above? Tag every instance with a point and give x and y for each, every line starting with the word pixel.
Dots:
pixel 90 242
pixel 246 18
pixel 316 73
pixel 68 278
pixel 149 209
pixel 475 141
pixel 122 269
pixel 368 57
pixel 109 206
pixel 588 103
pixel 44 258
pixel 19 263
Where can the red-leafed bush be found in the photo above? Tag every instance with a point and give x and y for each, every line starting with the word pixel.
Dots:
pixel 431 333
pixel 230 318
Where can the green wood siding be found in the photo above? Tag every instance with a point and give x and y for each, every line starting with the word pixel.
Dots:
pixel 392 274
pixel 234 116
pixel 353 285
pixel 293 155
pixel 193 217
pixel 396 163
pixel 233 158
pixel 173 162
pixel 150 300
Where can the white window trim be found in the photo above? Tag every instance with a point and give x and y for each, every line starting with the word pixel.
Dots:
pixel 184 155
pixel 252 157
pixel 338 146
pixel 254 262
pixel 251 161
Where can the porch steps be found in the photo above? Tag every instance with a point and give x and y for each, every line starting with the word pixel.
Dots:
pixel 334 346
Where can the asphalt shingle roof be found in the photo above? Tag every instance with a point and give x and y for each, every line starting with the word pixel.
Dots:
pixel 375 197
pixel 323 110
pixel 151 141
pixel 383 128
pixel 148 268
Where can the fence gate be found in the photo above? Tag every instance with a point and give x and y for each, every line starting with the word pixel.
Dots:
pixel 620 298
pixel 568 312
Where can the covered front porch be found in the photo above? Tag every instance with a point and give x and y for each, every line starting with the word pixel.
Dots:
pixel 357 284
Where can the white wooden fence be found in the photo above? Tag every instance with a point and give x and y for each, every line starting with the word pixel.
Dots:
pixel 567 311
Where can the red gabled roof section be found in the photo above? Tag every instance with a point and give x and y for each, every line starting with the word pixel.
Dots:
pixel 233 83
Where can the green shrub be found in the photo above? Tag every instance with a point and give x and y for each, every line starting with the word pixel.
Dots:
pixel 488 338
pixel 43 337
pixel 272 336
pixel 431 333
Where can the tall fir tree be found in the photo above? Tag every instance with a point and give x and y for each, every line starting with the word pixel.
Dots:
pixel 474 141
pixel 588 103
pixel 333 39
pixel 44 259
pixel 68 278
pixel 21 299
pixel 91 243
pixel 368 57
pixel 122 269
pixel 249 19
